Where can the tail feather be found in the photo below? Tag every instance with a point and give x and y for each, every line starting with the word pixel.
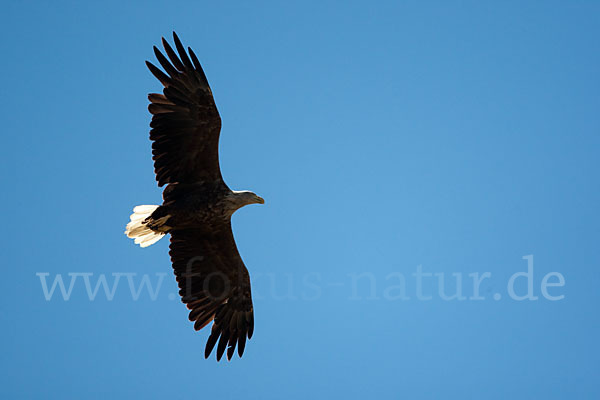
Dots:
pixel 138 229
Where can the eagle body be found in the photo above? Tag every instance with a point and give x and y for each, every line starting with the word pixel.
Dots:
pixel 207 206
pixel 197 206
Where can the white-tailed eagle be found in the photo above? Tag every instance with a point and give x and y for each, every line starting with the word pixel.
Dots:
pixel 197 204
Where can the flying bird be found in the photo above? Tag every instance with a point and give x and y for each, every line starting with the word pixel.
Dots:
pixel 197 204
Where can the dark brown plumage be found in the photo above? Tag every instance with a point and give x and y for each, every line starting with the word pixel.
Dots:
pixel 185 121
pixel 213 281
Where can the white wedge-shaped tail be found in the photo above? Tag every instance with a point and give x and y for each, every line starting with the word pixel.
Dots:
pixel 138 230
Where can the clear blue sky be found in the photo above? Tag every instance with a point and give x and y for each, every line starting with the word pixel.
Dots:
pixel 386 137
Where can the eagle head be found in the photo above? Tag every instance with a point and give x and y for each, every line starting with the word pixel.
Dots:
pixel 241 198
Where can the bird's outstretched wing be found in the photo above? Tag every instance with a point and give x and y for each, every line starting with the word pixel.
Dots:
pixel 214 284
pixel 185 121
